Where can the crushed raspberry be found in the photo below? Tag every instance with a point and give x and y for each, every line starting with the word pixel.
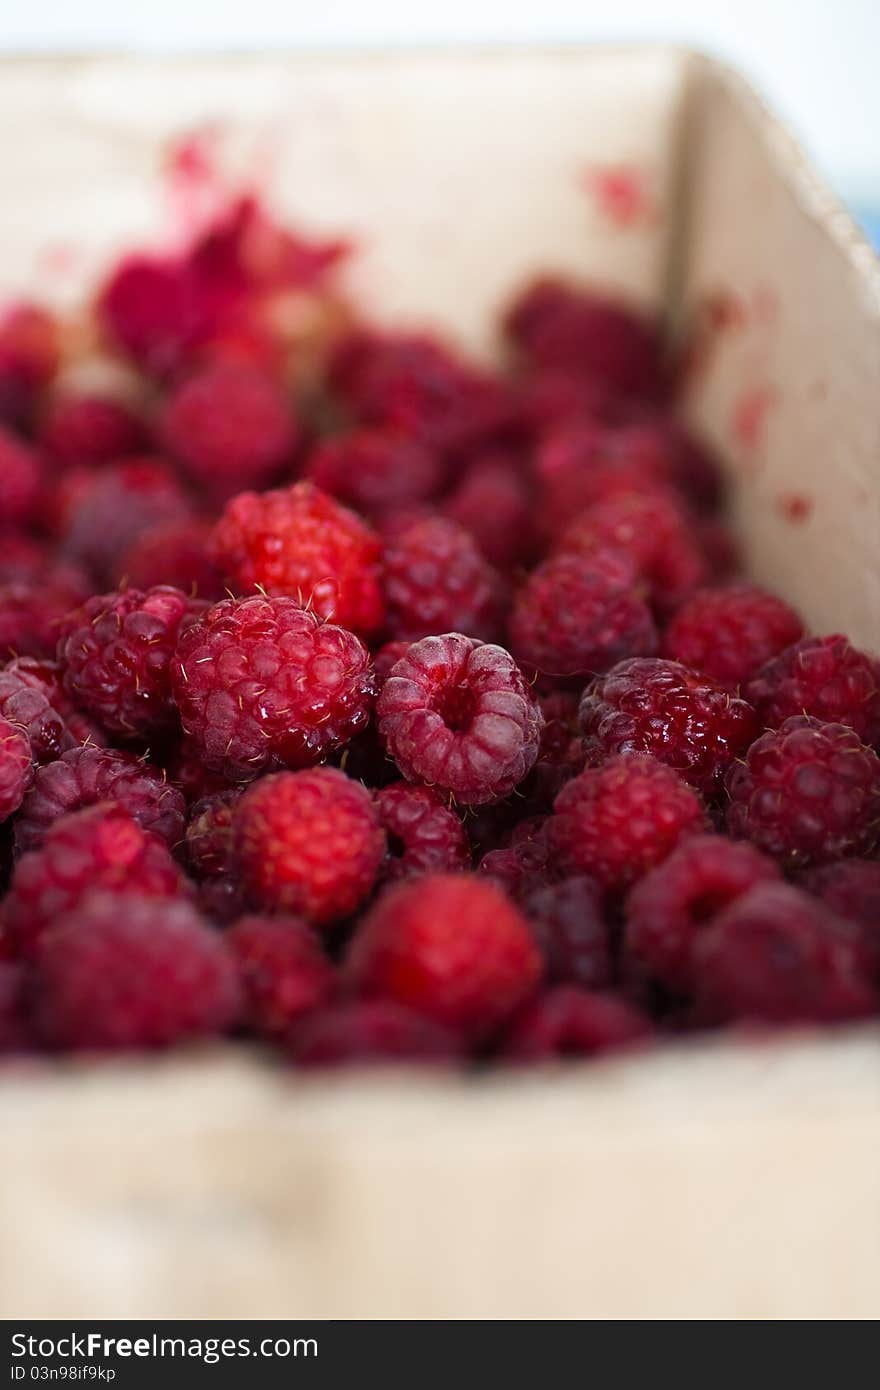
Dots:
pixel 370 1031
pixel 309 843
pixel 569 924
pixel 16 767
pixel 173 552
pixel 261 684
pixel 824 677
pixel 436 580
pixel 100 513
pixel 807 793
pixel 21 480
pixel 373 470
pixel 458 715
pixel 209 839
pixel 851 890
pixel 450 946
pixel 493 503
pixel 425 836
pixel 301 543
pixel 729 633
pixel 568 1021
pixel 91 430
pixel 646 705
pixel 284 972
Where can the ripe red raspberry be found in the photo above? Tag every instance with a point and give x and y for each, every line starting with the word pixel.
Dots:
pixel 436 580
pixel 30 696
pixel 284 972
pixel 100 513
pixel 123 971
pixel 14 1023
pixel 778 956
pixel 669 909
pixel 569 924
pixel 646 705
pixel 84 776
pixel 230 428
pixel 576 616
pixel 552 399
pixel 308 843
pixel 425 836
pixel 806 793
pixel 150 308
pixel 450 946
pixel 100 847
pixel 261 683
pixel 301 543
pixel 617 821
pixel 569 1021
pixel 209 837
pixel 851 890
pixel 91 429
pixel 16 767
pixel 370 1031
pixel 173 552
pixel 727 634
pixel 458 715
pixel 581 464
pixel 494 504
pixel 824 677
pixel 21 477
pixel 374 470
pixel 116 652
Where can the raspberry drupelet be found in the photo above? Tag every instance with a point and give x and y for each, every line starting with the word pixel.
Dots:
pixel 458 715
pixel 262 684
pixel 729 633
pixel 16 767
pixel 568 1021
pixel 824 677
pixel 370 1031
pixel 424 834
pixel 283 969
pixel 436 580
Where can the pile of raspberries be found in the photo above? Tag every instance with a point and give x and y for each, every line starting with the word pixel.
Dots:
pixel 374 705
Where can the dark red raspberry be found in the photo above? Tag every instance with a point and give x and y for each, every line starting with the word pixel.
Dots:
pixel 569 924
pixel 824 677
pixel 576 616
pixel 494 503
pixel 374 470
pixel 284 972
pixel 31 613
pixel 617 821
pixel 84 776
pixel 301 543
pixel 173 552
pixel 150 308
pixel 223 899
pixel 436 580
pixel 522 866
pixel 569 1021
pixel 209 839
pixel 369 1031
pixel 450 946
pixel 646 705
pixel 579 465
pixel 91 429
pixel 100 513
pixel 122 971
pixel 14 1029
pixel 425 836
pixel 673 905
pixel 778 956
pixel 116 652
pixel 29 356
pixel 22 556
pixel 458 715
pixel 308 843
pixel 727 634
pixel 261 683
pixel 16 767
pixel 807 793
pixel 100 847
pixel 851 890
pixel 185 768
pixel 553 399
pixel 30 695
pixel 21 478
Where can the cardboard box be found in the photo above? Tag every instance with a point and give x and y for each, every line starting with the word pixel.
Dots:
pixel 722 1179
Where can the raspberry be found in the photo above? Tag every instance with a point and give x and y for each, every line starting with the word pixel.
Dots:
pixel 424 835
pixel 523 865
pixel 92 430
pixel 646 705
pixel 824 677
pixel 100 847
pixel 261 683
pixel 123 971
pixel 368 1031
pixel 458 715
pixel 83 776
pixel 569 925
pixel 301 543
pixel 283 970
pixel 149 308
pixel 778 956
pixel 173 552
pixel 576 616
pixel 209 840
pixel 21 478
pixel 727 634
pixel 373 470
pixel 693 468
pixel 14 1030
pixel 116 652
pixel 580 465
pixel 102 512
pixel 673 905
pixel 30 696
pixel 223 899
pixel 230 428
pixel 617 821
pixel 851 890
pixel 185 768
pixel 31 613
pixel 436 580
pixel 309 843
pixel 22 557
pixel 494 504
pixel 568 1021
pixel 552 399
pixel 16 767
pixel 450 946
pixel 807 793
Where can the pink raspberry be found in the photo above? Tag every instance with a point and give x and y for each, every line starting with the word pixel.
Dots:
pixel 824 677
pixel 100 513
pixel 209 836
pixel 617 821
pixel 173 552
pixel 301 543
pixel 425 835
pixel 284 972
pixel 646 705
pixel 494 504
pixel 457 714
pixel 851 890
pixel 16 767
pixel 807 793
pixel 150 308
pixel 21 479
pixel 569 1021
pixel 450 946
pixel 778 956
pixel 373 470
pixel 91 429
pixel 122 971
pixel 727 634
pixel 569 924
pixel 261 683
pixel 370 1031
pixel 436 580
pixel 308 843
pixel 575 616
pixel 669 909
